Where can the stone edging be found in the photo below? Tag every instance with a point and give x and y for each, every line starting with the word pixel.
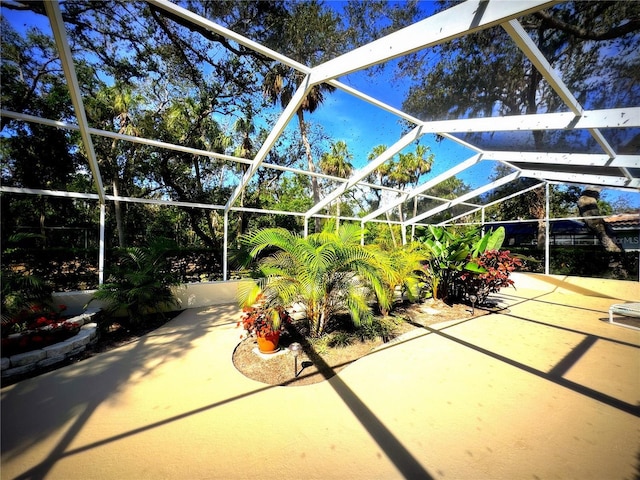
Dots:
pixel 29 361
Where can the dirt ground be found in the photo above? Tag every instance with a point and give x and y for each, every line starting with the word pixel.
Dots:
pixel 319 361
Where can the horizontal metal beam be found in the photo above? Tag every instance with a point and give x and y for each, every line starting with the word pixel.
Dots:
pixel 462 19
pixel 196 151
pixel 582 178
pixel 426 186
pixel 49 193
pixel 578 159
pixel 164 145
pixel 609 118
pixel 479 191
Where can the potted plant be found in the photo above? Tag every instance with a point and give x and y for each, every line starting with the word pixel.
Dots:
pixel 263 318
pixel 266 323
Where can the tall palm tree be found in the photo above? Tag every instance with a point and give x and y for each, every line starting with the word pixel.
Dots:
pixel 381 172
pixel 311 34
pixel 402 171
pixel 280 84
pixel 113 106
pixel 337 162
pixel 329 273
pixel 244 128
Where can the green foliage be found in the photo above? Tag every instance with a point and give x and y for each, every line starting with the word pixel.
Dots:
pixel 384 328
pixel 493 274
pixel 327 273
pixel 407 261
pixel 340 339
pixel 21 290
pixel 320 345
pixel 584 261
pixel 262 320
pixel 141 283
pixel 449 254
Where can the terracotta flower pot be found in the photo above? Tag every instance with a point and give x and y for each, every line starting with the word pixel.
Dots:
pixel 268 343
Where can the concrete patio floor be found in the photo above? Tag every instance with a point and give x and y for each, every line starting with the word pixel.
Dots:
pixel 545 389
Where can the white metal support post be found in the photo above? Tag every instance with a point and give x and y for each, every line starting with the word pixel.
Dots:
pixel 62 44
pixel 225 249
pixel 547 229
pixel 101 248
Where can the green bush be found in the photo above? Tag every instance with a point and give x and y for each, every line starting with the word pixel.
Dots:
pixel 450 254
pixel 329 273
pixel 383 327
pixel 140 283
pixel 340 339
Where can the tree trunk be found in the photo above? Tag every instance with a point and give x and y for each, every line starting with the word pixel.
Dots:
pixel 541 238
pixel 116 192
pixel 393 236
pixel 43 231
pixel 588 207
pixel 415 214
pixel 537 207
pixel 310 165
pixel 118 212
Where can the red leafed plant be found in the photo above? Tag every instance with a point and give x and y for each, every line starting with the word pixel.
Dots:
pixel 35 327
pixel 497 266
pixel 263 320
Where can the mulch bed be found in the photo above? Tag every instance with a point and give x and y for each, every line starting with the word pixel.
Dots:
pixel 318 363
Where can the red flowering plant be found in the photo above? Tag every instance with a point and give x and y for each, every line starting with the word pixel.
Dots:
pixel 492 274
pixel 33 327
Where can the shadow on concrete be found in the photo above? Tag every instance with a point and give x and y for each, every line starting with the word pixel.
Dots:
pixel 560 283
pixel 397 453
pixel 553 375
pixel 70 395
pixel 59 453
pixel 104 375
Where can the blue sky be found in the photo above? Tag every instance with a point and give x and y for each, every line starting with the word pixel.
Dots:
pixel 363 126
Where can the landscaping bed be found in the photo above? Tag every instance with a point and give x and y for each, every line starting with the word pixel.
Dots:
pixel 321 360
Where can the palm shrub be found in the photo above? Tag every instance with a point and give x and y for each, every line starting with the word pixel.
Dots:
pixel 141 282
pixel 327 273
pixel 409 272
pixel 21 291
